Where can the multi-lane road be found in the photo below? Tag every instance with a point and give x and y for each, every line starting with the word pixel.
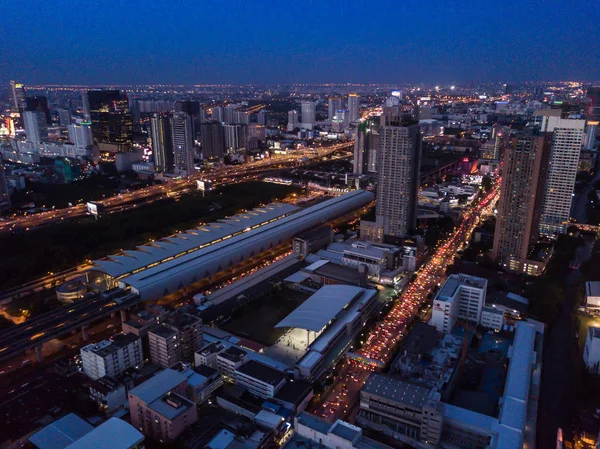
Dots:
pixel 342 398
pixel 131 200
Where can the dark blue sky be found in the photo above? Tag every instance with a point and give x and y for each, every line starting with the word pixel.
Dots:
pixel 263 41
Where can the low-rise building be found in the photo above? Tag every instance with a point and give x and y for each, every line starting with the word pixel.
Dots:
pixel 207 355
pixel 492 318
pixel 312 241
pixel 591 351
pixel 112 357
pixel 203 381
pixel 592 296
pixel 230 360
pixel 259 379
pixel 108 393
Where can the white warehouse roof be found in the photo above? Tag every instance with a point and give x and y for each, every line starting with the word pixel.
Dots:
pixel 172 275
pixel 112 434
pixel 191 240
pixel 322 307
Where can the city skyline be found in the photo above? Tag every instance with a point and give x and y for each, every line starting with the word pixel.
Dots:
pixel 438 43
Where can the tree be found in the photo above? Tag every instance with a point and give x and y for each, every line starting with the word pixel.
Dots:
pixel 486 183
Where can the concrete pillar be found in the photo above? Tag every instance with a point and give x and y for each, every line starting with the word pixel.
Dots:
pixel 123 315
pixel 38 353
pixel 84 333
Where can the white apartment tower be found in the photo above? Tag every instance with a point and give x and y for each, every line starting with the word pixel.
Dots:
pixel 567 139
pixel 36 127
pixel 354 106
pixel 398 162
pixel 112 357
pixel 183 143
pixel 308 114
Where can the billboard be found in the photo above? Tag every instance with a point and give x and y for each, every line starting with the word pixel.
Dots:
pixel 95 209
pixel 203 185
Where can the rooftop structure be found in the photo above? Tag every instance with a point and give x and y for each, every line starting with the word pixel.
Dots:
pixel 159 385
pixel 112 434
pixel 61 433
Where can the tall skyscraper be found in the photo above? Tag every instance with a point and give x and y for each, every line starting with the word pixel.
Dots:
pixel 365 147
pixel 212 138
pixel 190 107
pixel 399 162
pixel 235 137
pixel 80 134
pixel 217 113
pixel 39 104
pixel 262 117
pixel 85 105
pixel 64 117
pixel 354 106
pixel 17 92
pixel 335 104
pixel 567 138
pixel 341 120
pixel 229 114
pixel 36 127
pixel 162 142
pixel 591 129
pixel 292 120
pixel 308 114
pixel 593 96
pixel 112 122
pixel 183 143
pixel 523 184
pixel 4 194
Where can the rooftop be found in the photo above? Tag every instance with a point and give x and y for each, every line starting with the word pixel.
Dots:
pixel 322 307
pixel 221 440
pixel 105 348
pixel 158 386
pixel 171 405
pixel 163 331
pixel 105 384
pixel 345 430
pixel 396 389
pixel 61 433
pixel 261 372
pixel 233 354
pixel 112 434
pixel 592 288
pixel 594 332
pixel 454 281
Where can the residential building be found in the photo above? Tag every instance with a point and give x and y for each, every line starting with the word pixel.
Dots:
pixel 236 137
pixel 592 296
pixel 64 117
pixel 216 113
pixel 108 393
pixel 334 104
pixel 203 381
pixel 175 340
pixel 365 147
pixel 17 92
pixel 259 379
pixel 207 355
pixel 212 139
pixel 183 144
pixel 80 135
pixel 36 127
pixel 591 351
pixel 399 161
pixel 354 106
pixel 593 96
pixel 308 114
pixel 230 360
pixel 341 120
pixel 492 318
pixel 112 357
pixel 292 120
pixel 4 192
pixel 159 407
pixel 162 143
pixel 521 195
pixel 567 138
pixel 461 298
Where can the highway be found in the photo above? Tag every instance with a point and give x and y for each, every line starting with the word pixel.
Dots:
pixel 130 200
pixel 341 401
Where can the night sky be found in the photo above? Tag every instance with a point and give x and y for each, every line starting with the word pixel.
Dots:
pixel 261 42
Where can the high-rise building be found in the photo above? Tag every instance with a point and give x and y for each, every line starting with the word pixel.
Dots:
pixel 365 147
pixel 212 138
pixel 190 107
pixel 235 137
pixel 398 165
pixel 567 138
pixel 38 104
pixel 229 114
pixel 262 117
pixel 335 104
pixel 183 143
pixel 17 92
pixel 591 129
pixel 354 106
pixel 176 340
pixel 112 357
pixel 341 120
pixel 523 184
pixel 64 117
pixel 292 120
pixel 36 127
pixel 80 134
pixel 308 114
pixel 217 113
pixel 4 193
pixel 112 122
pixel 593 96
pixel 162 143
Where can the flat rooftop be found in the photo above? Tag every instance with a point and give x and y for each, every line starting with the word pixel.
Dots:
pixel 111 434
pixel 158 386
pixel 396 389
pixel 454 281
pixel 262 372
pixel 61 433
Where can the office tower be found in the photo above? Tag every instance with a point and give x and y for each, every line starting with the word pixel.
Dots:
pixel 399 161
pixel 217 113
pixel 262 117
pixel 190 107
pixel 4 193
pixel 308 114
pixel 292 120
pixel 112 122
pixel 36 127
pixel 64 117
pixel 85 105
pixel 341 120
pixel 354 106
pixel 212 138
pixel 112 357
pixel 591 129
pixel 461 297
pixel 183 143
pixel 593 96
pixel 365 147
pixel 38 104
pixel 162 143
pixel 235 137
pixel 523 183
pixel 335 104
pixel 80 134
pixel 567 138
pixel 17 92
pixel 229 114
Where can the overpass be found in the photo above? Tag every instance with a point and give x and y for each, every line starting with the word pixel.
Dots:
pixel 35 332
pixel 433 175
